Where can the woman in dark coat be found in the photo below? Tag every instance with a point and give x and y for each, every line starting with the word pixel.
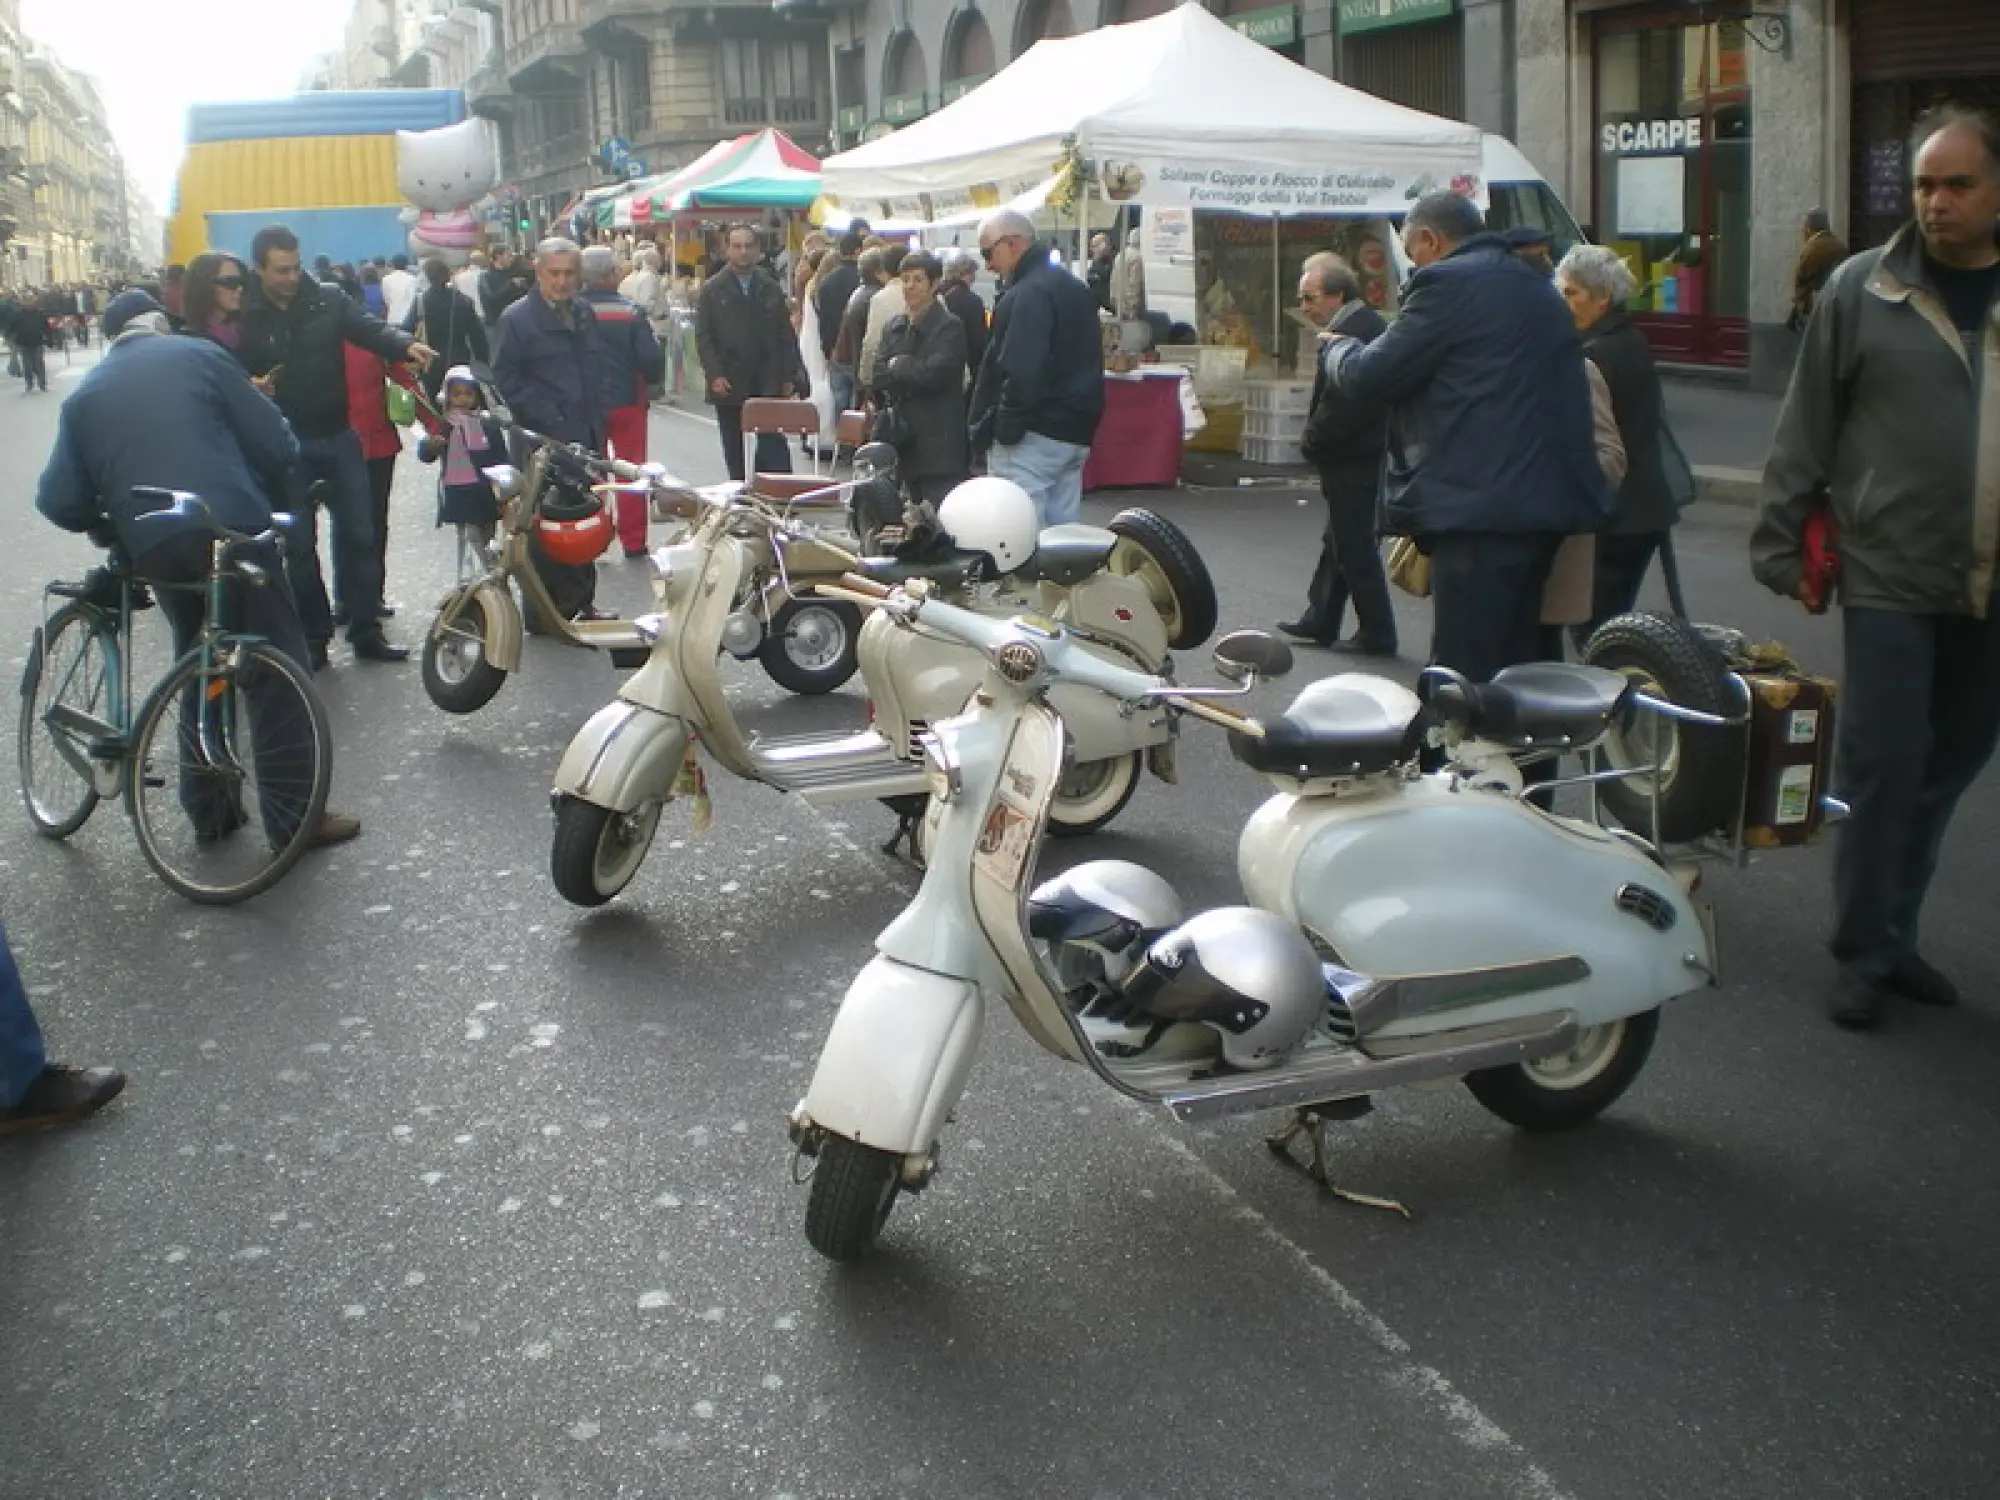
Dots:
pixel 921 369
pixel 1595 283
pixel 450 325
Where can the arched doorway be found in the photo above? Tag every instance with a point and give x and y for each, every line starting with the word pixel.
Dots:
pixel 968 54
pixel 905 80
pixel 1042 19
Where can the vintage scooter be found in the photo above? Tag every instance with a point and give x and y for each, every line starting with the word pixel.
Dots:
pixel 475 641
pixel 1389 938
pixel 640 752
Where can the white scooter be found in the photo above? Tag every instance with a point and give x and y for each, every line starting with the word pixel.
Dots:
pixel 641 751
pixel 1404 926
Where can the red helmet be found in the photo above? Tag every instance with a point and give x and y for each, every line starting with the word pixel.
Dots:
pixel 576 542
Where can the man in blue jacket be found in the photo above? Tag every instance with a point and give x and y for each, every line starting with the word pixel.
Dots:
pixel 178 413
pixel 630 365
pixel 544 364
pixel 1491 458
pixel 1040 391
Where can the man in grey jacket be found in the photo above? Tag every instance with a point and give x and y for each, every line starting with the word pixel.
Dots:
pixel 1893 421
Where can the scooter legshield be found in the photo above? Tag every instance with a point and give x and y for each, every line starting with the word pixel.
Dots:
pixel 897 1057
pixel 623 758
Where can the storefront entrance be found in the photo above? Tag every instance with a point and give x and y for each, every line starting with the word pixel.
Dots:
pixel 1672 195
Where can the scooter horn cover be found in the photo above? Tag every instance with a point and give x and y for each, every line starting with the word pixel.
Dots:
pixel 1246 973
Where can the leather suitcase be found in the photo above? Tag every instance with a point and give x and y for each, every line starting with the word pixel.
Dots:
pixel 1790 761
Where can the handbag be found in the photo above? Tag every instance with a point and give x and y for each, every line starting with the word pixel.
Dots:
pixel 1409 569
pixel 893 428
pixel 402 404
pixel 1675 469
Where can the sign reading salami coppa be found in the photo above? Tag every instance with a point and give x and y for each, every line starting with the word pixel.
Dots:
pixel 1638 137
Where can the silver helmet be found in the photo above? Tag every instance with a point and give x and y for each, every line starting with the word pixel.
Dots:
pixel 1249 975
pixel 1094 921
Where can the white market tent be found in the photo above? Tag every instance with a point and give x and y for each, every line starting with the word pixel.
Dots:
pixel 1180 110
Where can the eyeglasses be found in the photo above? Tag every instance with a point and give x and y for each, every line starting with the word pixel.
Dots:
pixel 1311 296
pixel 986 251
pixel 229 283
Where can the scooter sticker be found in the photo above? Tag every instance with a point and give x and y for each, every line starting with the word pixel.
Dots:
pixel 1795 794
pixel 1005 843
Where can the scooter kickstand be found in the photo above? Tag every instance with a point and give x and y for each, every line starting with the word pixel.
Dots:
pixel 907 824
pixel 1313 1121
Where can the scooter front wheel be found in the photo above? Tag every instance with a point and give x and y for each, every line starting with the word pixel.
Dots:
pixel 457 675
pixel 596 851
pixel 1092 794
pixel 853 1189
pixel 1571 1088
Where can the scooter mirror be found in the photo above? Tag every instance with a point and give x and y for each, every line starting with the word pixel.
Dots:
pixel 506 480
pixel 871 459
pixel 1243 654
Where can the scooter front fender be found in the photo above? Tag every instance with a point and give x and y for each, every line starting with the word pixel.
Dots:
pixel 503 620
pixel 897 1057
pixel 623 758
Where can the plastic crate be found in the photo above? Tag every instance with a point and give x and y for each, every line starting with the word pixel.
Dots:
pixel 1272 451
pixel 1269 429
pixel 1278 397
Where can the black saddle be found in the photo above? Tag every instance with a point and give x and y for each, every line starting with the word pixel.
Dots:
pixel 1332 728
pixel 1070 553
pixel 949 568
pixel 1541 705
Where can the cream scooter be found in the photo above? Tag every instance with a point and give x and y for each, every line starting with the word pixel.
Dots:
pixel 1390 938
pixel 640 752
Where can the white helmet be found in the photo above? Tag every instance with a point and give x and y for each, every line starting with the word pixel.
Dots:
pixel 992 515
pixel 1249 975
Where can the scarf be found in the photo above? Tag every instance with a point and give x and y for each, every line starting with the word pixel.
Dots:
pixel 468 436
pixel 224 331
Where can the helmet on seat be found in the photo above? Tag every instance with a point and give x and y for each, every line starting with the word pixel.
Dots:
pixel 1245 973
pixel 995 516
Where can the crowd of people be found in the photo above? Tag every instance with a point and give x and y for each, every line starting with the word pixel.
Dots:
pixel 1509 413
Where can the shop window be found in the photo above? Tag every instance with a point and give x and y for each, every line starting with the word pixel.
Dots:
pixel 968 51
pixel 905 71
pixel 1672 155
pixel 1043 19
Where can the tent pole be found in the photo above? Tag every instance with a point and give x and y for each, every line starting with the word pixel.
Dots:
pixel 1277 294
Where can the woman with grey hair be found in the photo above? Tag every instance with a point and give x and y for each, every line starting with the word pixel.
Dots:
pixel 1596 283
pixel 965 304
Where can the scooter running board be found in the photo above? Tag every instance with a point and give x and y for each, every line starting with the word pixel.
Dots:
pixel 837 767
pixel 1348 1072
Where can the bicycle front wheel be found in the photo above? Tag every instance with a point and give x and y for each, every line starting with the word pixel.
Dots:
pixel 67 693
pixel 230 771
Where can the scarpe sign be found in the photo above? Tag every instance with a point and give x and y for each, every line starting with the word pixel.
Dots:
pixel 1635 137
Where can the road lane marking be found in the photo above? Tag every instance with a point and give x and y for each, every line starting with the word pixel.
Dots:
pixel 1523 1479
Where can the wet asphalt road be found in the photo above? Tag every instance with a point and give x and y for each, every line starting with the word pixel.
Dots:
pixel 429 1185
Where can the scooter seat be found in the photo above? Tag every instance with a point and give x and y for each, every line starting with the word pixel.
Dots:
pixel 1070 553
pixel 785 488
pixel 1544 703
pixel 1340 726
pixel 950 571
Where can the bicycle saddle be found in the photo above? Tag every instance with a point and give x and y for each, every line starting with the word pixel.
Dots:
pixel 1350 725
pixel 1536 704
pixel 1070 553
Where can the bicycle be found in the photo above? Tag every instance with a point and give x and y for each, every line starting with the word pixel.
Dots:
pixel 233 731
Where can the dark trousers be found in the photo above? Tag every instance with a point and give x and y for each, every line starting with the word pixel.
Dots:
pixel 1350 565
pixel 1919 716
pixel 22 1059
pixel 381 480
pixel 35 366
pixel 572 587
pixel 357 577
pixel 1486 600
pixel 772 455
pixel 280 734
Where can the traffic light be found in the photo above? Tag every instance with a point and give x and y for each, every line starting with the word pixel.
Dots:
pixel 527 224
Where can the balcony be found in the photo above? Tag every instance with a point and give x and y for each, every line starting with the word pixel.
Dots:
pixel 551 59
pixel 797 114
pixel 486 89
pixel 562 154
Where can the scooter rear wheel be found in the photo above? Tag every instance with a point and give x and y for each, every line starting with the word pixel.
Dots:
pixel 457 675
pixel 853 1189
pixel 1570 1088
pixel 813 645
pixel 1092 794
pixel 596 851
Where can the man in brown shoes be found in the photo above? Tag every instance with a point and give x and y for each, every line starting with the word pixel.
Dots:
pixel 35 1092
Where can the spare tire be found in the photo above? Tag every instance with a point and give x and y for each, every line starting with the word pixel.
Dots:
pixel 1159 553
pixel 1702 768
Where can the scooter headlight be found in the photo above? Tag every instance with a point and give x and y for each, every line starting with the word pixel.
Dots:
pixel 942 774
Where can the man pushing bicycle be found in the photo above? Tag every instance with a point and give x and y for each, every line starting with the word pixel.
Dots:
pixel 160 412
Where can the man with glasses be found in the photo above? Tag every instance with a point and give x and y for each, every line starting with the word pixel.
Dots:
pixel 1040 390
pixel 1345 439
pixel 294 339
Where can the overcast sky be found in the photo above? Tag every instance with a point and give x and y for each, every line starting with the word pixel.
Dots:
pixel 153 58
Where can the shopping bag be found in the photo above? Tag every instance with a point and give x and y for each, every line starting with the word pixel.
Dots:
pixel 1409 569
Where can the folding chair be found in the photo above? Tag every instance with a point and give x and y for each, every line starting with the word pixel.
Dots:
pixel 793 418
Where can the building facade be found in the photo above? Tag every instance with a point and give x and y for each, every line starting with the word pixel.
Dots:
pixel 74 229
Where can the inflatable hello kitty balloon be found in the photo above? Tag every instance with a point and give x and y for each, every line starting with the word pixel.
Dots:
pixel 446 173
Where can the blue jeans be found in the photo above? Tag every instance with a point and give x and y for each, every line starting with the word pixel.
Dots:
pixel 1050 471
pixel 22 1059
pixel 357 568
